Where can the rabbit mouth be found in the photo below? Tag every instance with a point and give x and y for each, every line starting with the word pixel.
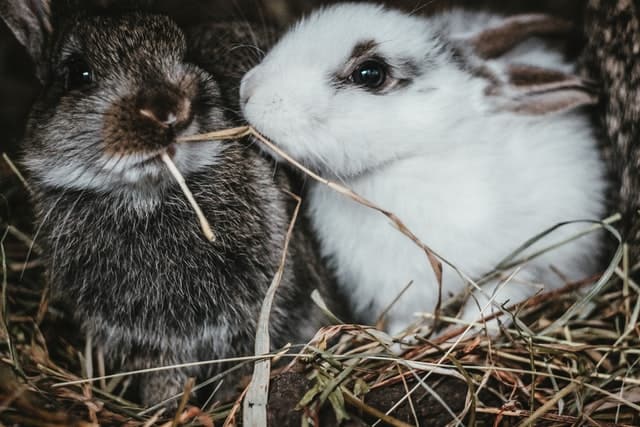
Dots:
pixel 155 158
pixel 149 166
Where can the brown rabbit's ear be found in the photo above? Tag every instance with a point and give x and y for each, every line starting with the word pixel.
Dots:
pixel 30 23
pixel 497 40
pixel 533 90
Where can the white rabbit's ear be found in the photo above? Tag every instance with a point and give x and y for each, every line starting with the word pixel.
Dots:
pixel 534 90
pixel 30 23
pixel 496 40
pixel 525 88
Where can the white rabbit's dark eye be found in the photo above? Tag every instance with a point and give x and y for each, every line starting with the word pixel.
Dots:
pixel 371 74
pixel 79 74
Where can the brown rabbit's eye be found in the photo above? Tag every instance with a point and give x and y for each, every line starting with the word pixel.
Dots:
pixel 79 74
pixel 371 74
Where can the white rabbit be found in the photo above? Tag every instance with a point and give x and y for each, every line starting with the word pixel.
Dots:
pixel 462 124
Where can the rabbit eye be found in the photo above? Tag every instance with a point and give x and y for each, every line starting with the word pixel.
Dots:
pixel 79 74
pixel 371 74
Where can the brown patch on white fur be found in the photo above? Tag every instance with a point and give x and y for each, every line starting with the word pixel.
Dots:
pixel 532 76
pixel 538 91
pixel 364 49
pixel 498 40
pixel 549 91
pixel 541 103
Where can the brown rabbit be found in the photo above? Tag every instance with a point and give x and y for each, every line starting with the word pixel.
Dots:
pixel 123 247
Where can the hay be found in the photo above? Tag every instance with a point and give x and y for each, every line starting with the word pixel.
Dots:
pixel 586 372
pixel 204 223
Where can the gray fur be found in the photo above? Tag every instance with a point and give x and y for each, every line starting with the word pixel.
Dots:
pixel 128 254
pixel 241 45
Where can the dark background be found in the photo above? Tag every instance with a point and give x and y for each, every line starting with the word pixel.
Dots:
pixel 18 86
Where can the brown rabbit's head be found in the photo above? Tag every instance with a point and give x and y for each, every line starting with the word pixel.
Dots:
pixel 117 91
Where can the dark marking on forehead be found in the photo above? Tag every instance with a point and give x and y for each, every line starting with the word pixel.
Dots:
pixel 466 61
pixel 368 49
pixel 364 48
pixel 458 53
pixel 407 68
pixel 401 71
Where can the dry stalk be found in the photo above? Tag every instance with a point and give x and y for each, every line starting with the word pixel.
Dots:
pixel 26 240
pixel 406 388
pixel 16 171
pixel 521 413
pixel 154 419
pixel 166 368
pixel 183 402
pixel 531 420
pixel 240 132
pixel 255 404
pixel 204 224
pixel 230 421
pixel 354 401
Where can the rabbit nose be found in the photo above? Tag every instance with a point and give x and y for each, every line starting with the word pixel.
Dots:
pixel 165 109
pixel 248 87
pixel 166 121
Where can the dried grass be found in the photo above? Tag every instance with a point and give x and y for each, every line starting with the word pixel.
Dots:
pixel 204 224
pixel 582 371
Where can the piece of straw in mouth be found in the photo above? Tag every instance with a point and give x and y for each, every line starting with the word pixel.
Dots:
pixel 240 132
pixel 204 224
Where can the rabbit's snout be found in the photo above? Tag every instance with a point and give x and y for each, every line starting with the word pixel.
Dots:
pixel 148 120
pixel 167 109
pixel 248 86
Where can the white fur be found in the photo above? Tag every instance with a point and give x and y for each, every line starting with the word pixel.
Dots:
pixel 113 171
pixel 471 182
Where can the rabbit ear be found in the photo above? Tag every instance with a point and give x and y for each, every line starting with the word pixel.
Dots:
pixel 528 89
pixel 30 23
pixel 525 88
pixel 497 40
